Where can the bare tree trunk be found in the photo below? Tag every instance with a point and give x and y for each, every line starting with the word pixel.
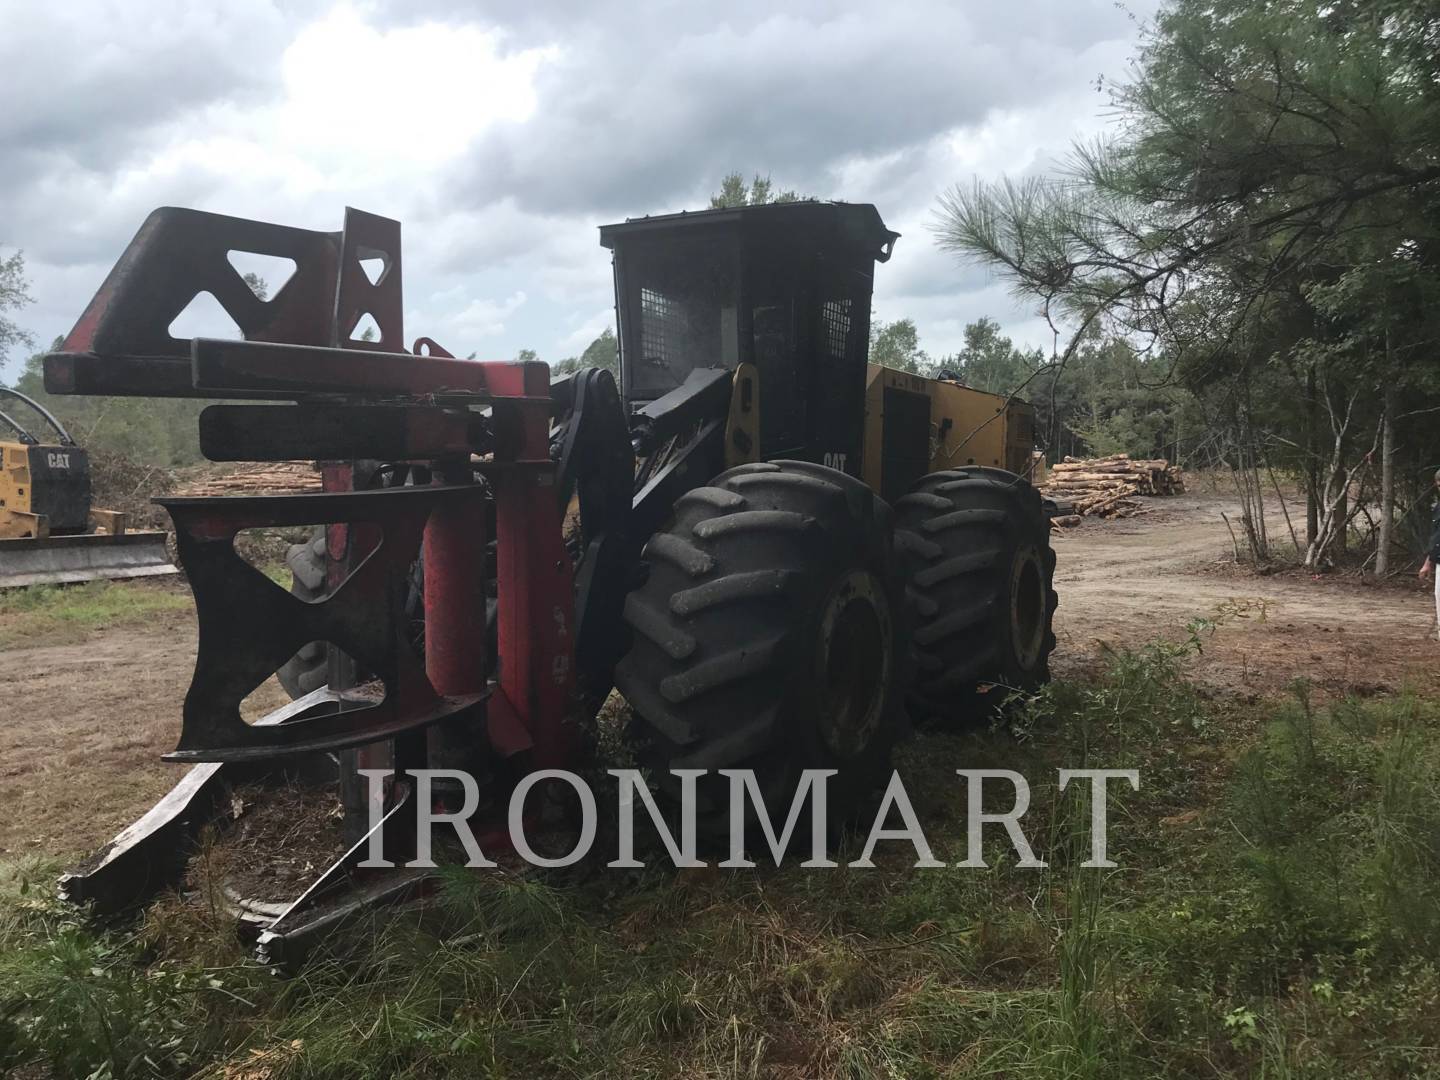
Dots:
pixel 1340 534
pixel 1387 482
pixel 1258 495
pixel 1253 493
pixel 1312 503
pixel 1340 541
pixel 1312 468
pixel 1334 515
pixel 1246 476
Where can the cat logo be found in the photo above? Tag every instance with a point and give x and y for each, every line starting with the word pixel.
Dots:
pixel 57 460
pixel 835 461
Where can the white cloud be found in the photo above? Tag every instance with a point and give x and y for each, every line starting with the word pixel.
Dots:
pixel 575 342
pixel 401 99
pixel 483 317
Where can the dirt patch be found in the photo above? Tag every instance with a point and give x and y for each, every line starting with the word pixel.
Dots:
pixel 85 725
pixel 1125 583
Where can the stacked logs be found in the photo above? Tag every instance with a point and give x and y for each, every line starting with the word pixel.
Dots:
pixel 256 478
pixel 1105 487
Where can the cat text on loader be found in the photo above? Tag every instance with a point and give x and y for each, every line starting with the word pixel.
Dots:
pixel 772 550
pixel 49 532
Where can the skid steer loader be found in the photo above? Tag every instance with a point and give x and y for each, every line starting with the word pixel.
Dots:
pixel 49 532
pixel 771 548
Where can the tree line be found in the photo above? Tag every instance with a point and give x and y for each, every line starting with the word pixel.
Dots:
pixel 1266 215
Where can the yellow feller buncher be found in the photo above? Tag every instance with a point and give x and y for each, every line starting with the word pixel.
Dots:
pixel 49 532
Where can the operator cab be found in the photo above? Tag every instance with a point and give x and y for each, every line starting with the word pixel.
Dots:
pixel 784 286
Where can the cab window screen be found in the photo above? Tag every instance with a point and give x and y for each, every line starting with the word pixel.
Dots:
pixel 835 320
pixel 783 391
pixel 657 312
pixel 683 303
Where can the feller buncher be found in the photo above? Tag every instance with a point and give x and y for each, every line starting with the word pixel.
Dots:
pixel 773 549
pixel 49 532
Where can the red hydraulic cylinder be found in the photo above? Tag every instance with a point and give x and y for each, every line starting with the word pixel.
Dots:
pixel 533 709
pixel 455 598
pixel 454 550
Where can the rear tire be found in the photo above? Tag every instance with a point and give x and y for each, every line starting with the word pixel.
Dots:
pixel 308 669
pixel 770 634
pixel 980 580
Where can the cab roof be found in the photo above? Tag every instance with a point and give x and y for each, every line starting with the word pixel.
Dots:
pixel 854 226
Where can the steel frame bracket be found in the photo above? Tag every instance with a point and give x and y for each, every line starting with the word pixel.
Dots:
pixel 249 625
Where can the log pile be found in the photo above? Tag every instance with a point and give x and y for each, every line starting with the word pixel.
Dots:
pixel 255 478
pixel 1106 487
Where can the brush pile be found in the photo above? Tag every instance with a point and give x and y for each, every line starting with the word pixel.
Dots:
pixel 1106 487
pixel 121 483
pixel 254 478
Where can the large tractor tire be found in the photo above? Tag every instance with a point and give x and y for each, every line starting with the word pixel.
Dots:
pixel 770 634
pixel 980 581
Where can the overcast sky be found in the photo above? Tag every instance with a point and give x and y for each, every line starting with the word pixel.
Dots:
pixel 503 133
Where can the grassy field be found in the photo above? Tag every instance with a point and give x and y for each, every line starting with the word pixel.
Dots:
pixel 63 614
pixel 1275 912
pixel 58 614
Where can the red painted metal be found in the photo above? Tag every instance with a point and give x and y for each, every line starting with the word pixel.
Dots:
pixel 235 368
pixel 510 378
pixel 327 431
pixel 178 253
pixel 366 237
pixel 455 599
pixel 537 596
pixel 336 476
pixel 505 726
pixel 300 344
pixel 246 368
pixel 425 346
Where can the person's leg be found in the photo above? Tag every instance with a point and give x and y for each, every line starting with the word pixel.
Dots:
pixel 1437 602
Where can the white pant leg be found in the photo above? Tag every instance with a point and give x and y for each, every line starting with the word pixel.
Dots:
pixel 1437 601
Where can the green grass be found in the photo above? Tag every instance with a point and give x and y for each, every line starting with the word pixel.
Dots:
pixel 50 614
pixel 1275 913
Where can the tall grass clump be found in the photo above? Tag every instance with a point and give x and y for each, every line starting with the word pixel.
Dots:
pixel 1340 809
pixel 81 1000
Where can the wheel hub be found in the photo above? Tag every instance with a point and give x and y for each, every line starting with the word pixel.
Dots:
pixel 1027 607
pixel 853 663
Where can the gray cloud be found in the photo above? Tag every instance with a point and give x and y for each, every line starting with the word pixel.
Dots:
pixel 641 108
pixel 642 104
pixel 87 87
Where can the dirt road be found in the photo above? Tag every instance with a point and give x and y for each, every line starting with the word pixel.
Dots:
pixel 1128 582
pixel 85 723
